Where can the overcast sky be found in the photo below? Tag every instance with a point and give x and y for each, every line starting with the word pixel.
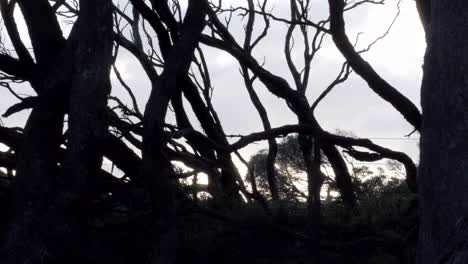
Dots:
pixel 351 106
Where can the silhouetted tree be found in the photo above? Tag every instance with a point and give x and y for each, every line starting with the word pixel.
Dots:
pixel 55 163
pixel 443 167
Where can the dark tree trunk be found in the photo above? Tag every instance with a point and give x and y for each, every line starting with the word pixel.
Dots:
pixel 156 167
pixel 342 177
pixel 42 223
pixel 90 86
pixel 338 164
pixel 87 122
pixel 310 149
pixel 38 152
pixel 34 186
pixel 214 176
pixel 226 182
pixel 272 145
pixel 443 178
pixel 222 185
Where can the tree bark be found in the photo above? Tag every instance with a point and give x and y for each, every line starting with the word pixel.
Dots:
pixel 222 184
pixel 310 148
pixel 424 11
pixel 41 226
pixel 87 122
pixel 90 86
pixel 381 87
pixel 37 153
pixel 156 166
pixel 443 178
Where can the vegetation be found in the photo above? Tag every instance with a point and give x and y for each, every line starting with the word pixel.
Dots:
pixel 62 204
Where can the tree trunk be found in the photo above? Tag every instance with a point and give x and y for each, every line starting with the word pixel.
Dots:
pixel 41 228
pixel 87 122
pixel 310 149
pixel 34 187
pixel 222 185
pixel 37 153
pixel 443 179
pixel 156 167
pixel 90 86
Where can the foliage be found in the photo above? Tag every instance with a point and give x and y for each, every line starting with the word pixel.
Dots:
pixel 289 170
pixel 66 201
pixel 379 230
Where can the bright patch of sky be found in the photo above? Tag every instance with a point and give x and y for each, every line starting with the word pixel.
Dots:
pixel 224 60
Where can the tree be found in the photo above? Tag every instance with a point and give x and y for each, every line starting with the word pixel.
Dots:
pixel 160 185
pixel 288 166
pixel 69 76
pixel 76 121
pixel 290 169
pixel 443 131
pixel 443 168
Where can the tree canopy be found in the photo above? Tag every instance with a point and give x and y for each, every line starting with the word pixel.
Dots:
pixel 173 160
